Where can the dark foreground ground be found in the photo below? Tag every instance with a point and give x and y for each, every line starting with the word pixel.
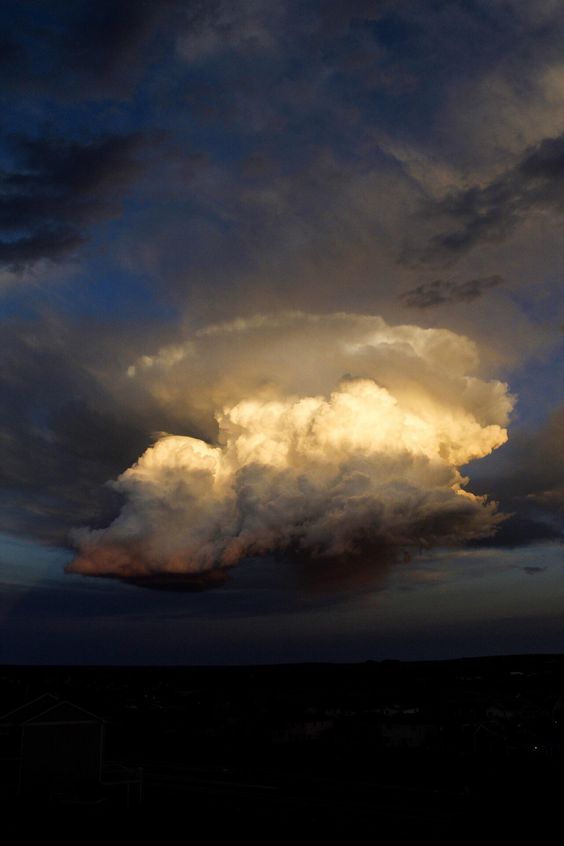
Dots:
pixel 464 749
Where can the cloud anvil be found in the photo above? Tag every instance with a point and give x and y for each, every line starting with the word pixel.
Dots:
pixel 372 463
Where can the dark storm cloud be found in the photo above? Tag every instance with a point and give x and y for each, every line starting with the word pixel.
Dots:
pixel 56 187
pixel 83 50
pixel 529 482
pixel 521 530
pixel 106 43
pixel 442 292
pixel 53 243
pixel 536 474
pixel 102 49
pixel 488 213
pixel 61 436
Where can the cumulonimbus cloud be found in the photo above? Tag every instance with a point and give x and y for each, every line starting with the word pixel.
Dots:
pixel 329 437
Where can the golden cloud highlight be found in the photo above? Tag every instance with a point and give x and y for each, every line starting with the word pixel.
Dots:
pixel 330 437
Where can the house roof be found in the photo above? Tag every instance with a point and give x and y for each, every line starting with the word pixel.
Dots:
pixel 29 710
pixel 63 712
pixel 48 710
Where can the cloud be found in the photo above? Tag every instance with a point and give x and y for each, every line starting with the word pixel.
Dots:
pixel 528 480
pixel 61 433
pixel 56 188
pixel 442 292
pixel 87 51
pixel 108 42
pixel 330 437
pixel 246 26
pixel 481 214
pixel 532 475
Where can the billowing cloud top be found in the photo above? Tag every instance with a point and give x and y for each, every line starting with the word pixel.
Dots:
pixel 327 436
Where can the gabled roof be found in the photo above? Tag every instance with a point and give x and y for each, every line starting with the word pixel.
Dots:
pixel 63 712
pixel 48 710
pixel 31 709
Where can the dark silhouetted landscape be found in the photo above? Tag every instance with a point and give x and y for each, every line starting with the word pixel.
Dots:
pixel 446 747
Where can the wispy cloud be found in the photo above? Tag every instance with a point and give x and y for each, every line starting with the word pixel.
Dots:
pixel 444 292
pixel 56 188
pixel 490 212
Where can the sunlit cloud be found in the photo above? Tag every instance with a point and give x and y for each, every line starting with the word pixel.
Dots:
pixel 335 436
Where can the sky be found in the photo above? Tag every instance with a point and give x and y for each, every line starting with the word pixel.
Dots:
pixel 282 330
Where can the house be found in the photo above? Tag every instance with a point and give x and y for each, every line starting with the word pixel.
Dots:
pixel 52 750
pixel 54 744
